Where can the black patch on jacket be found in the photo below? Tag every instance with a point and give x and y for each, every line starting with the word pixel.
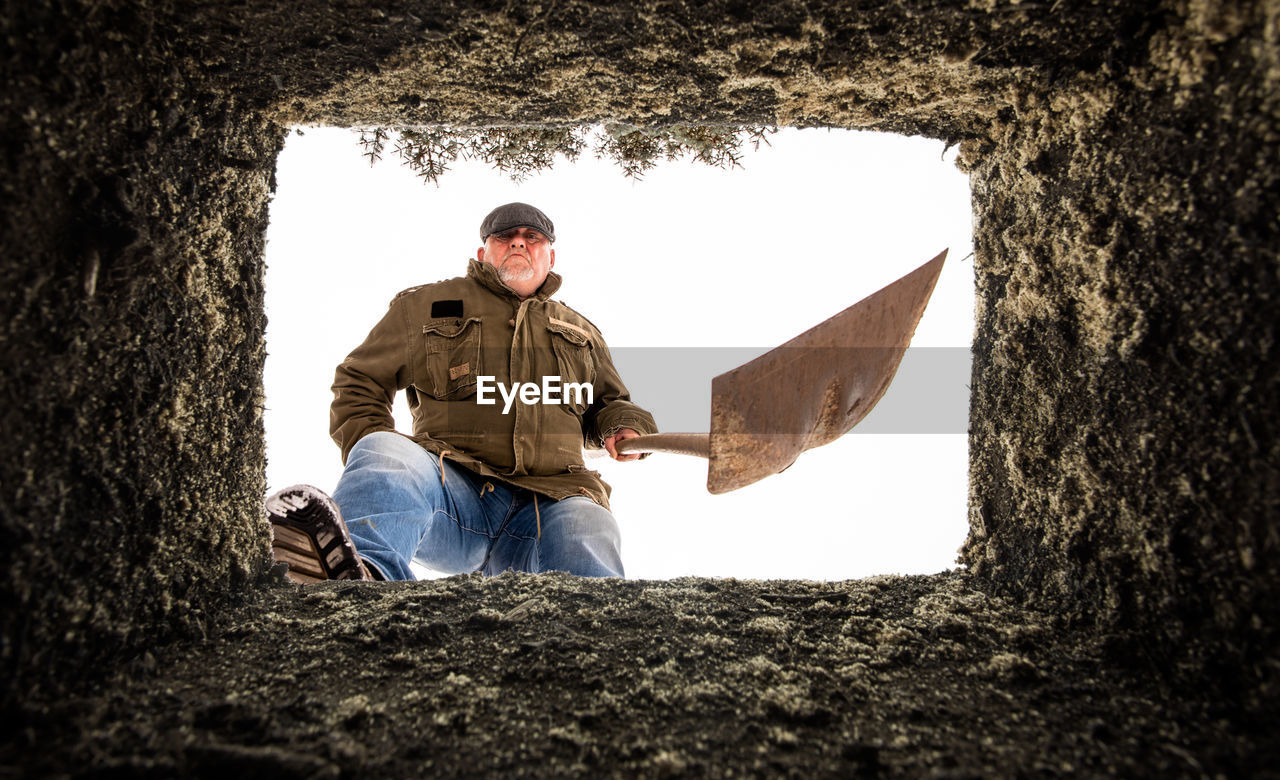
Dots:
pixel 446 309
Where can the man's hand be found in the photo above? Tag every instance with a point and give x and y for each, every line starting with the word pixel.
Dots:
pixel 623 433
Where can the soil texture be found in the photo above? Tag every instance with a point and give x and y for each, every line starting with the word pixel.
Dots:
pixel 551 675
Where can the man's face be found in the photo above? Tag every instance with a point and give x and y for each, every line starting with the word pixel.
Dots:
pixel 522 256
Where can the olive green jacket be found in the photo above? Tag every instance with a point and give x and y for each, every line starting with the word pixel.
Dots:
pixel 437 340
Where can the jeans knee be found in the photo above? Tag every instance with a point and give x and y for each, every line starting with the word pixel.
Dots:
pixel 581 520
pixel 388 443
pixel 388 446
pixel 581 538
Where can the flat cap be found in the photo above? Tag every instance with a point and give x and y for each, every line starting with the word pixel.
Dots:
pixel 516 215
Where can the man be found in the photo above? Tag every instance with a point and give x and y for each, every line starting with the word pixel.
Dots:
pixel 505 386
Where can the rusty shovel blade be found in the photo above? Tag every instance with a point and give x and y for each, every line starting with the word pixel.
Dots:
pixel 806 392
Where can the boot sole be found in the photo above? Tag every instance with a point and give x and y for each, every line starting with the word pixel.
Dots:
pixel 307 532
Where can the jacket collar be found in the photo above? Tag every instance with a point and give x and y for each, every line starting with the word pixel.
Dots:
pixel 487 275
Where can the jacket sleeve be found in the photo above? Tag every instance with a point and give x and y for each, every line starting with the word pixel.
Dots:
pixel 613 408
pixel 366 382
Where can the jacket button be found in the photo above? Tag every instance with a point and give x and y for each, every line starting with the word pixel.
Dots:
pixel 512 322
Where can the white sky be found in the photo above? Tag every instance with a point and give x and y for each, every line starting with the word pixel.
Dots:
pixel 688 257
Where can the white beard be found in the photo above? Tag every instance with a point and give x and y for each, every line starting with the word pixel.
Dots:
pixel 522 274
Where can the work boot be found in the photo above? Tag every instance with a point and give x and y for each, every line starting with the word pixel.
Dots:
pixel 307 532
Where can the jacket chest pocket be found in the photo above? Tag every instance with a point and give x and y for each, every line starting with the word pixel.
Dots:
pixel 452 348
pixel 572 348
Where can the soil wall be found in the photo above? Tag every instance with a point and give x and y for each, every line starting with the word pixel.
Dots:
pixel 1124 406
pixel 134 205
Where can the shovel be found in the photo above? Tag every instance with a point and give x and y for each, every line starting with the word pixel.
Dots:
pixel 805 393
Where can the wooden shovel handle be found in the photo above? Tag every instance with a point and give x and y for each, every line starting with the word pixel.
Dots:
pixel 696 444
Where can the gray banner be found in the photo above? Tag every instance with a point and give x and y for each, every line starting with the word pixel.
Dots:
pixel 929 394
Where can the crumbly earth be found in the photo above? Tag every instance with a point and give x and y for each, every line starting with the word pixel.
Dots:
pixel 552 675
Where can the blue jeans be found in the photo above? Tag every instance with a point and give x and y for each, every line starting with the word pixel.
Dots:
pixel 398 509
